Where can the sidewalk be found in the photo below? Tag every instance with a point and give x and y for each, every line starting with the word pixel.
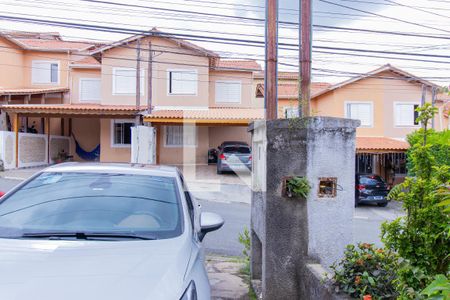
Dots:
pixel 226 279
pixel 20 174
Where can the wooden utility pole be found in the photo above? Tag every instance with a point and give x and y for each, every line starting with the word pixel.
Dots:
pixel 150 75
pixel 271 71
pixel 305 57
pixel 433 103
pixel 138 79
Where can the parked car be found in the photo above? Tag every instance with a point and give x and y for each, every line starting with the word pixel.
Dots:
pixel 103 231
pixel 234 156
pixel 371 188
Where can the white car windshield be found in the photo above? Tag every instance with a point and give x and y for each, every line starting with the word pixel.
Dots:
pixel 93 205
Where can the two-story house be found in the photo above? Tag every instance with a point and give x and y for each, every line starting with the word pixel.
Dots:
pixel 185 83
pixel 384 100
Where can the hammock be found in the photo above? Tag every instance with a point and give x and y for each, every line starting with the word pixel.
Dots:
pixel 93 155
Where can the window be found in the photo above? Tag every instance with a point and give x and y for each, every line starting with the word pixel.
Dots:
pixel 124 81
pixel 360 111
pixel 364 163
pixel 406 114
pixel 121 133
pixel 44 72
pixel 90 89
pixel 179 136
pixel 228 91
pixel 182 82
pixel 291 112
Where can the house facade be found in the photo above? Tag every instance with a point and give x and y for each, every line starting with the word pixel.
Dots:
pixel 384 100
pixel 193 98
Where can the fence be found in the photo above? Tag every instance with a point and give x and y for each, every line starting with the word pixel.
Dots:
pixel 34 149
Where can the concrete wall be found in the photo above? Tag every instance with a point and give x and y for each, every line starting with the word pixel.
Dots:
pixel 287 233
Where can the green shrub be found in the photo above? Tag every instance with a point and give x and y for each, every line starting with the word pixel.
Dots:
pixel 439 289
pixel 244 240
pixel 422 236
pixel 366 270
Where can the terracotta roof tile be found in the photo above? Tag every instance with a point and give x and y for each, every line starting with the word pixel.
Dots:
pixel 249 65
pixel 210 114
pixel 48 44
pixel 27 91
pixel 88 60
pixel 290 90
pixel 380 143
pixel 85 109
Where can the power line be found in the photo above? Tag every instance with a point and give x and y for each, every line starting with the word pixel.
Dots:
pixel 378 15
pixel 221 40
pixel 418 9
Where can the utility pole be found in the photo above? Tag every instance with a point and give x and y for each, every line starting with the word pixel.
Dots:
pixel 271 69
pixel 305 57
pixel 138 80
pixel 150 75
pixel 433 103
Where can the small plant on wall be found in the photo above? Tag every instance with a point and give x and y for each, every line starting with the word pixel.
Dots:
pixel 297 186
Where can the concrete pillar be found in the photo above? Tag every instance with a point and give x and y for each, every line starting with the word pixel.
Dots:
pixel 294 231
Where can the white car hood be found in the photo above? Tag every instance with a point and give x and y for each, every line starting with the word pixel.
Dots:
pixel 93 270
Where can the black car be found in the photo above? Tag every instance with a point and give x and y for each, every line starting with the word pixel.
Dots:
pixel 370 188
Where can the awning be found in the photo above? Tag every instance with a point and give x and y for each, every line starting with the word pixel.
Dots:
pixel 68 110
pixel 380 144
pixel 32 91
pixel 207 116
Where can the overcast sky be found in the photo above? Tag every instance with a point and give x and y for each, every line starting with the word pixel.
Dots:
pixel 432 15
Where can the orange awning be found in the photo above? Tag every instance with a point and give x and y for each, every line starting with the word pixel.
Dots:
pixel 378 144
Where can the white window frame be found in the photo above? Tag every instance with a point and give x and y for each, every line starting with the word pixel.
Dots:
pixel 49 62
pixel 114 145
pixel 394 112
pixel 80 89
pixel 229 82
pixel 181 70
pixel 115 69
pixel 346 112
pixel 180 146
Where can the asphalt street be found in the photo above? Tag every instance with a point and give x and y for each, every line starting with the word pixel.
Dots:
pixel 366 223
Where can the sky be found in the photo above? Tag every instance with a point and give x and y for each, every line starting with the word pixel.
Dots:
pixel 425 17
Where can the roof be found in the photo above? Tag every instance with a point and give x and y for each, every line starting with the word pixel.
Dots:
pixel 380 143
pixel 46 44
pixel 238 65
pixel 240 116
pixel 290 90
pixel 72 109
pixel 387 67
pixel 156 33
pixel 281 75
pixel 86 62
pixel 32 91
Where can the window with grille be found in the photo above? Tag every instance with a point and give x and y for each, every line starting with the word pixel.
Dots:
pixel 121 132
pixel 179 136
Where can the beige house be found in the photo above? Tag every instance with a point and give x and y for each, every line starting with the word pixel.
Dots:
pixel 384 100
pixel 87 92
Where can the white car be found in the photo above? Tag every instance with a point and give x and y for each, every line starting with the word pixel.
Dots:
pixel 103 231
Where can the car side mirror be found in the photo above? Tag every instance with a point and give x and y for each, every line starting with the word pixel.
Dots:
pixel 209 222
